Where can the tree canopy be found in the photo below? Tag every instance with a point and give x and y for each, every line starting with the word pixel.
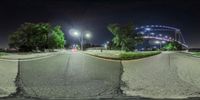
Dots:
pixel 125 36
pixel 171 46
pixel 31 36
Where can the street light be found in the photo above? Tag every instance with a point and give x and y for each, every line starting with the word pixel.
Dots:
pixel 88 35
pixel 76 33
pixel 81 35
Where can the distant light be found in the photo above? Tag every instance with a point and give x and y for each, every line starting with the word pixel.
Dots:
pixel 154 47
pixel 107 42
pixel 152 33
pixel 74 50
pixel 105 46
pixel 157 42
pixel 166 36
pixel 163 42
pixel 142 33
pixel 160 34
pixel 147 29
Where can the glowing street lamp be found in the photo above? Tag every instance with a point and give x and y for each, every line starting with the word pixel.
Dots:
pixel 81 35
pixel 76 33
pixel 88 35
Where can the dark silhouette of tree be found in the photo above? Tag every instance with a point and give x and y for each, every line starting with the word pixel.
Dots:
pixel 125 36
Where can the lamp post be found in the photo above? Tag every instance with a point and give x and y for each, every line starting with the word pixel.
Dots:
pixel 81 36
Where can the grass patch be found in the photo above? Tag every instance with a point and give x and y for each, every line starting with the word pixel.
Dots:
pixel 2 54
pixel 121 55
pixel 137 55
pixel 196 54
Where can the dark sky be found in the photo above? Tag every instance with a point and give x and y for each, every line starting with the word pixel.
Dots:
pixel 95 15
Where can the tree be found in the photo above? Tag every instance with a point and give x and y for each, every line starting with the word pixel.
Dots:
pixel 171 46
pixel 30 36
pixel 56 38
pixel 53 41
pixel 125 37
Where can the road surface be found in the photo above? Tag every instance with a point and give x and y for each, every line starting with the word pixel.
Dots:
pixel 168 75
pixel 8 73
pixel 70 75
pixel 76 75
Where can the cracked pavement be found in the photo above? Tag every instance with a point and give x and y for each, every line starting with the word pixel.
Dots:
pixel 168 75
pixel 73 75
pixel 8 73
pixel 70 75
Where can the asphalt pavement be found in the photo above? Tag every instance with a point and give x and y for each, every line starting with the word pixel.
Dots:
pixel 74 75
pixel 168 75
pixel 70 75
pixel 8 73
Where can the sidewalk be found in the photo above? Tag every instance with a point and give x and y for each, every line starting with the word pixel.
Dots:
pixel 8 73
pixel 22 56
pixel 9 69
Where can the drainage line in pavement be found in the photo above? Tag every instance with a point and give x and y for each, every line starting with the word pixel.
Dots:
pixel 19 90
pixel 121 83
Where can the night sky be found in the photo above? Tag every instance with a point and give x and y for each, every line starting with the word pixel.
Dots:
pixel 95 15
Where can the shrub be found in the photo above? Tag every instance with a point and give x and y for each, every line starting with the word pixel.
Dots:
pixel 137 55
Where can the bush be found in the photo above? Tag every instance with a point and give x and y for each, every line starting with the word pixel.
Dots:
pixel 137 55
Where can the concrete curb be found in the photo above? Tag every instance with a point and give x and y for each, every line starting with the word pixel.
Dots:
pixel 28 58
pixel 118 59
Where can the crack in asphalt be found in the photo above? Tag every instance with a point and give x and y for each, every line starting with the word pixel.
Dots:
pixel 20 92
pixel 19 89
pixel 121 82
